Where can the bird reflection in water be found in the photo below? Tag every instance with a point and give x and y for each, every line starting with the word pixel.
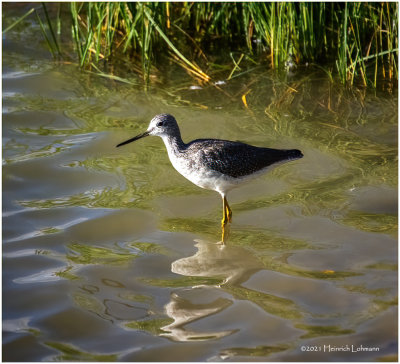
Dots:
pixel 184 312
pixel 232 265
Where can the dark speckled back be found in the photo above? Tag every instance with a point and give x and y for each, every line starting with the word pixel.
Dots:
pixel 237 159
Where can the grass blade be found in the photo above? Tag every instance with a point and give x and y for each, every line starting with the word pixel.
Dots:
pixel 51 29
pixel 204 76
pixel 18 20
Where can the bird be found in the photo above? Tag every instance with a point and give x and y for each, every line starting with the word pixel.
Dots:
pixel 214 164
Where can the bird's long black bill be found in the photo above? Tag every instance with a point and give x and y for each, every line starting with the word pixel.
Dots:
pixel 137 137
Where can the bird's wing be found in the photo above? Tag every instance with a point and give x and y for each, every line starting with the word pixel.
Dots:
pixel 237 159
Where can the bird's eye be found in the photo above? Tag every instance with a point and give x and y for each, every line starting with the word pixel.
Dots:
pixel 160 123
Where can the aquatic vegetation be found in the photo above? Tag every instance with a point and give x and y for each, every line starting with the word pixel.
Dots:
pixel 355 42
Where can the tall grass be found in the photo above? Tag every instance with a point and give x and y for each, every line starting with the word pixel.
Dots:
pixel 355 41
pixel 102 29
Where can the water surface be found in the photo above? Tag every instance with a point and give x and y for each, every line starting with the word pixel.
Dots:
pixel 110 255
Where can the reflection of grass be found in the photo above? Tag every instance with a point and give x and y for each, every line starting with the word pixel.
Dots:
pixel 255 351
pixel 107 198
pixel 261 241
pixel 379 292
pixel 72 353
pixel 318 331
pixel 383 265
pixel 377 223
pixel 272 304
pixel 203 226
pixel 66 274
pixel 150 248
pixel 136 297
pixel 384 305
pixel 152 326
pixel 50 230
pixel 85 254
pixel 281 266
pixel 47 151
pixel 89 302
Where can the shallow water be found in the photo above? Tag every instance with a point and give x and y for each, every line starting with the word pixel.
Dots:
pixel 109 254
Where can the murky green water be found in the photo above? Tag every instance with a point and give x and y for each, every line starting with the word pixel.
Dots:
pixel 109 254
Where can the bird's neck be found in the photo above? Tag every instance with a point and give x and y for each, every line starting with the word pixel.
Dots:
pixel 174 143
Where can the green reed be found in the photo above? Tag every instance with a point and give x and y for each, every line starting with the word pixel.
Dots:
pixel 355 41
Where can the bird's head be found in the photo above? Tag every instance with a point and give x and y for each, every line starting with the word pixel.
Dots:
pixel 161 125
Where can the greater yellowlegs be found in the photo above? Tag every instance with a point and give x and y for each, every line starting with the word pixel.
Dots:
pixel 214 164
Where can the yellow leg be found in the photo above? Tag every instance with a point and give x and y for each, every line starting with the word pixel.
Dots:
pixel 228 210
pixel 227 217
pixel 225 233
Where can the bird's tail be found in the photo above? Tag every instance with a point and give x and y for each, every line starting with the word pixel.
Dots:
pixel 294 154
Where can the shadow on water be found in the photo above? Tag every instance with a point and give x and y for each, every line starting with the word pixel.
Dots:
pixel 111 255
